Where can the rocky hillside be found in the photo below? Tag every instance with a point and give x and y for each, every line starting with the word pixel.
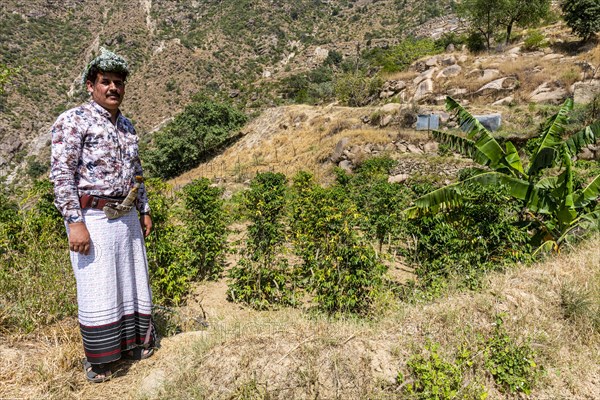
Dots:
pixel 176 48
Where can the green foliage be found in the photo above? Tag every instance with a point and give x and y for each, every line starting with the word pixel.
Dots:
pixel 166 250
pixel 6 75
pixel 35 262
pixel 206 229
pixel 379 201
pixel 261 279
pixel 339 267
pixel 476 42
pixel 357 89
pixel 512 365
pixel 557 208
pixel 480 236
pixel 201 127
pixel 434 378
pixel 582 16
pixel 401 56
pixel 311 87
pixel 534 40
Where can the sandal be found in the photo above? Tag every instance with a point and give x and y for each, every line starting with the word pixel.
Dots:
pixel 138 353
pixel 93 371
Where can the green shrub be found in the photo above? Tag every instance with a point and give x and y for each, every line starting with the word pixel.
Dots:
pixel 206 228
pixel 36 282
pixel 166 250
pixel 512 365
pixel 465 242
pixel 400 57
pixel 379 201
pixel 534 40
pixel 339 267
pixel 201 127
pixel 434 378
pixel 261 279
pixel 356 89
pixel 476 42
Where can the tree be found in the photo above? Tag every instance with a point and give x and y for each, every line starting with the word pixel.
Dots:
pixel 582 16
pixel 557 207
pixel 523 13
pixel 485 16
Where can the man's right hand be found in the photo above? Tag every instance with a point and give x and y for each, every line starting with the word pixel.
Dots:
pixel 79 238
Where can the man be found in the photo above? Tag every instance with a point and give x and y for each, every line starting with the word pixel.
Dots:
pixel 94 167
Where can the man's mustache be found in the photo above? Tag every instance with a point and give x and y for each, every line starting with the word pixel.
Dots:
pixel 114 94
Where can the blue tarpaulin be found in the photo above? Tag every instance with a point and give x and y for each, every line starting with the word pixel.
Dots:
pixel 427 122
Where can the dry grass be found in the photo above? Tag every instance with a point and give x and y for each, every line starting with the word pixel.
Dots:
pixel 287 354
pixel 292 139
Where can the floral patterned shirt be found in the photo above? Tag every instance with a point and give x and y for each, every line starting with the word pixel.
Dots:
pixel 91 155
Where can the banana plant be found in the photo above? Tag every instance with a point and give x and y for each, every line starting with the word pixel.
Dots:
pixel 545 187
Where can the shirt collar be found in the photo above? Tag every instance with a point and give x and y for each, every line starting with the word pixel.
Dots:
pixel 103 111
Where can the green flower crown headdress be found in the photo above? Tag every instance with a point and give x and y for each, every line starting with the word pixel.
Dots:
pixel 107 61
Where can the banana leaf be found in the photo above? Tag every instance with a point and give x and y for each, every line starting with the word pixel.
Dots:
pixel 484 141
pixel 512 158
pixel 551 138
pixel 434 201
pixel 461 145
pixel 588 135
pixel 589 194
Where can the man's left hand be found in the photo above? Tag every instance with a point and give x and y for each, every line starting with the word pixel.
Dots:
pixel 146 222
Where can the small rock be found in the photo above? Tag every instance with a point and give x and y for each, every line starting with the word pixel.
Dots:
pixel 336 156
pixel 152 383
pixel 586 154
pixel 504 102
pixel 431 147
pixel 398 178
pixel 345 165
pixel 385 121
pixel 414 149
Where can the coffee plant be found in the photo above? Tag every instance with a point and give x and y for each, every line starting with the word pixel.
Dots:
pixel 261 277
pixel 339 267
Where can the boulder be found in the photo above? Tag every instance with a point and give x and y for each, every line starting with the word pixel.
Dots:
pixel 321 53
pixel 586 154
pixel 414 149
pixel 506 83
pixel 449 60
pixel 391 107
pixel 552 56
pixel 431 147
pixel 585 92
pixel 425 75
pixel 447 72
pixel 548 93
pixel 386 120
pixel 424 89
pixel 504 101
pixel 432 62
pixel 489 74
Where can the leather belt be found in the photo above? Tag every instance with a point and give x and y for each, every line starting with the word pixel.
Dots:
pixel 98 203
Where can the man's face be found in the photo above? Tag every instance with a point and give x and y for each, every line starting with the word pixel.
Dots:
pixel 108 90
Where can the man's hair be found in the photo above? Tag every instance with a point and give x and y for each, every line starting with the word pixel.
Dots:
pixel 107 61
